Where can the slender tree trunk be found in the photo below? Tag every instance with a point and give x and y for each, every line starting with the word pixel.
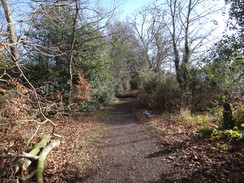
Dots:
pixel 181 66
pixel 187 52
pixel 186 56
pixel 72 50
pixel 11 36
pixel 173 34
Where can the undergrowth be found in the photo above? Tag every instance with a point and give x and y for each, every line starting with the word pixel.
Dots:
pixel 198 143
pixel 209 125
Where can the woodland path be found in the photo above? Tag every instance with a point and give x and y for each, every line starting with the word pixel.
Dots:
pixel 128 151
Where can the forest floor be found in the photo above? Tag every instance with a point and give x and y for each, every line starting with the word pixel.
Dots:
pixel 123 144
pixel 153 149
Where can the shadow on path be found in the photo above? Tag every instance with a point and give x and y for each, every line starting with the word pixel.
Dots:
pixel 128 151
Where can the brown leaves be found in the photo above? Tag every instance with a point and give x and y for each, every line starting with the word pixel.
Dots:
pixel 65 163
pixel 14 103
pixel 83 87
pixel 2 91
pixel 195 159
pixel 20 88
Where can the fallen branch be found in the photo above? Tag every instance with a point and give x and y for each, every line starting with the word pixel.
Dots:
pixel 41 160
pixel 37 129
pixel 24 162
pixel 20 155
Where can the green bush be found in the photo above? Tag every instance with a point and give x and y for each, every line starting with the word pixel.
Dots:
pixel 159 92
pixel 239 115
pixel 203 95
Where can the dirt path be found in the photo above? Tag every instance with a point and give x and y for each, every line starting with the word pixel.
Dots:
pixel 128 151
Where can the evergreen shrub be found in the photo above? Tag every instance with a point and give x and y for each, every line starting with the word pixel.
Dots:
pixel 159 92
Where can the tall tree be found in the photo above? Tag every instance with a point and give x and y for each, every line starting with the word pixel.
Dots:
pixel 70 39
pixel 125 51
pixel 185 24
pixel 151 32
pixel 72 45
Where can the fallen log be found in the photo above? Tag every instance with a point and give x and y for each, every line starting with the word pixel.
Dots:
pixel 39 153
pixel 41 160
pixel 24 162
pixel 43 143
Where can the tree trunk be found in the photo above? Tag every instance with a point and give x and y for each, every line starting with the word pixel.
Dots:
pixel 72 50
pixel 228 119
pixel 187 53
pixel 172 5
pixel 11 36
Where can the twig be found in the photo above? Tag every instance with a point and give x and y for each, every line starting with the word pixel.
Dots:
pixel 28 176
pixel 20 155
pixel 33 135
pixel 36 96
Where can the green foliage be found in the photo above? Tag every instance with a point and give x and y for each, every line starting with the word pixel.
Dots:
pixel 99 72
pixel 107 63
pixel 47 66
pixel 237 11
pixel 238 114
pixel 224 62
pixel 159 92
pixel 208 126
pixel 125 56
pixel 199 121
pixel 90 56
pixel 205 131
pixel 227 139
pixel 225 65
pixel 227 134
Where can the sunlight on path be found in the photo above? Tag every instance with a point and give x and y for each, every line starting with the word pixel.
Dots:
pixel 125 151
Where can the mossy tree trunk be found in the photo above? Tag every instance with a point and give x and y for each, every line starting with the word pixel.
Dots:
pixel 228 119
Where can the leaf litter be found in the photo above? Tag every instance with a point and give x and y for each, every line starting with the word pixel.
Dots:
pixel 66 163
pixel 194 159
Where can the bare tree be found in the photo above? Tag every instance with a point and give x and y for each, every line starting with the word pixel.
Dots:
pixel 151 31
pixel 186 24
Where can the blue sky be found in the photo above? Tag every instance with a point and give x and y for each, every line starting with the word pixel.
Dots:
pixel 131 5
pixel 127 7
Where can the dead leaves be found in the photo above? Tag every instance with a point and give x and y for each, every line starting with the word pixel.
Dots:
pixel 68 161
pixel 14 101
pixel 195 159
pixel 83 87
pixel 65 163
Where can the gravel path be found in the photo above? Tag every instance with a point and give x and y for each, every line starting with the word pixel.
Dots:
pixel 127 151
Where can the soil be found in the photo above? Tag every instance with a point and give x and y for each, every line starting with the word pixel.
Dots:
pixel 139 147
pixel 128 152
